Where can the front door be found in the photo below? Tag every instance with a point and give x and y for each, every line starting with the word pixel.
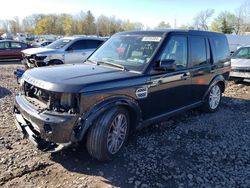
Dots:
pixel 169 91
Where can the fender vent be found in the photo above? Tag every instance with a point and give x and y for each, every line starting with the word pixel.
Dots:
pixel 141 92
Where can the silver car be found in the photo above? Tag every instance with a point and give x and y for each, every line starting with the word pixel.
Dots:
pixel 240 64
pixel 66 50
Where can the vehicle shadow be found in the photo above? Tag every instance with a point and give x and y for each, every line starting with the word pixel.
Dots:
pixel 4 92
pixel 116 172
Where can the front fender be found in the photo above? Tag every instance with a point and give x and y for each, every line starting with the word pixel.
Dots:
pixel 88 118
pixel 215 80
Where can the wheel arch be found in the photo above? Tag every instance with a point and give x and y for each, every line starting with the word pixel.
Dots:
pixel 219 79
pixel 88 118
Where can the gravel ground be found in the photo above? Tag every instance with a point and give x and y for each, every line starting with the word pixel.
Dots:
pixel 193 149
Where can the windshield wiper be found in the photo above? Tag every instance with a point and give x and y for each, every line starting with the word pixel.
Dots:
pixel 91 61
pixel 112 64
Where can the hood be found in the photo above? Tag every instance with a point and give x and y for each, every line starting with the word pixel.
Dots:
pixel 74 78
pixel 32 51
pixel 240 63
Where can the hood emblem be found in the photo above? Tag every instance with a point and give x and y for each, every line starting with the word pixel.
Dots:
pixel 141 92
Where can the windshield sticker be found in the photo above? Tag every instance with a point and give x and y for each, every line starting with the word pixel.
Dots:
pixel 151 39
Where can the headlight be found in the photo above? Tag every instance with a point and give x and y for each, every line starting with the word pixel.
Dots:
pixel 70 102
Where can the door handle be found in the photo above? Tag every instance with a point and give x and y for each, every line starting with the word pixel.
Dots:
pixel 84 53
pixel 186 76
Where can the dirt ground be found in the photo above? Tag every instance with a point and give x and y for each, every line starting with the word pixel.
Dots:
pixel 193 149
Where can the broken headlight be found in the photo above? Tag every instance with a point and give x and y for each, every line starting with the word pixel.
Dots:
pixel 69 102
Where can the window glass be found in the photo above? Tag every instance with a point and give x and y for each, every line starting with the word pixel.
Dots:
pixel 60 43
pixel 78 45
pixel 176 49
pixel 131 51
pixel 198 51
pixel 242 53
pixel 92 44
pixel 24 45
pixel 221 49
pixel 4 45
pixel 15 45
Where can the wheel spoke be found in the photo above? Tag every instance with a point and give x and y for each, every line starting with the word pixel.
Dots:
pixel 117 133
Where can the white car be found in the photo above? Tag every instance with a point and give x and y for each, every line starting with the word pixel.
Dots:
pixel 66 50
pixel 240 64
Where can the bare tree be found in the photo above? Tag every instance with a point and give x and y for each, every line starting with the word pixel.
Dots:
pixel 202 18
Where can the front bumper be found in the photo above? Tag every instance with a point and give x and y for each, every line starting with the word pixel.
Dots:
pixel 48 132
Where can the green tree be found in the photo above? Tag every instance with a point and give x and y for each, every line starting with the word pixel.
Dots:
pixel 163 25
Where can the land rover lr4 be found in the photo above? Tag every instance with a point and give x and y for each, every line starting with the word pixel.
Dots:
pixel 133 80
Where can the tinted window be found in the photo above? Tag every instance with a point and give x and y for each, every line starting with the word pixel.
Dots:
pixel 4 45
pixel 176 49
pixel 78 45
pixel 242 53
pixel 15 45
pixel 221 49
pixel 93 44
pixel 198 51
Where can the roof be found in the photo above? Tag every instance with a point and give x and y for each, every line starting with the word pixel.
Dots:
pixel 83 37
pixel 165 31
pixel 10 41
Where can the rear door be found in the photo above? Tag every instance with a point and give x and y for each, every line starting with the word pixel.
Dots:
pixel 200 62
pixel 16 49
pixel 4 50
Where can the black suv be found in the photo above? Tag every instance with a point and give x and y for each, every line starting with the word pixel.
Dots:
pixel 133 80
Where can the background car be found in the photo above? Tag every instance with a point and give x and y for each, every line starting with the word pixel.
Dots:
pixel 10 49
pixel 66 50
pixel 240 64
pixel 41 44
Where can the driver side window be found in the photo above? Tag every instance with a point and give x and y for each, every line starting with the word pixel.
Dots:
pixel 176 49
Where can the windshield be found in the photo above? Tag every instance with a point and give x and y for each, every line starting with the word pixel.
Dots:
pixel 133 52
pixel 58 44
pixel 242 53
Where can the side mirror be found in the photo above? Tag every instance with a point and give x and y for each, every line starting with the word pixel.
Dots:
pixel 166 65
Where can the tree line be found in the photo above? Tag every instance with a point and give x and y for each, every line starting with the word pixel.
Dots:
pixel 237 22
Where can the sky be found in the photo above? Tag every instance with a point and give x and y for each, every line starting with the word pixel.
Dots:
pixel 148 12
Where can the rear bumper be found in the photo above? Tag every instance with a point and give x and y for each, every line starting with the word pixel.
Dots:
pixel 48 132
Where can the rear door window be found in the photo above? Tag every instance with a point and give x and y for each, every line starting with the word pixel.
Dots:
pixel 15 45
pixel 198 51
pixel 93 44
pixel 78 45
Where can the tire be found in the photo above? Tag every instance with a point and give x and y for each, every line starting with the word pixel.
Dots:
pixel 102 134
pixel 213 99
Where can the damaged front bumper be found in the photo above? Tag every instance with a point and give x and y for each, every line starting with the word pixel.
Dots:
pixel 48 132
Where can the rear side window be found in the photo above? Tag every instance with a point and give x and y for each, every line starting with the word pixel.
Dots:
pixel 220 49
pixel 198 51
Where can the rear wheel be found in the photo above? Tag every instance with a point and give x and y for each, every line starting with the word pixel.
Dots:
pixel 108 134
pixel 213 99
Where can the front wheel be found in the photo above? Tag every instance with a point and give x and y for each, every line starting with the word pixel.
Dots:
pixel 108 134
pixel 213 99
